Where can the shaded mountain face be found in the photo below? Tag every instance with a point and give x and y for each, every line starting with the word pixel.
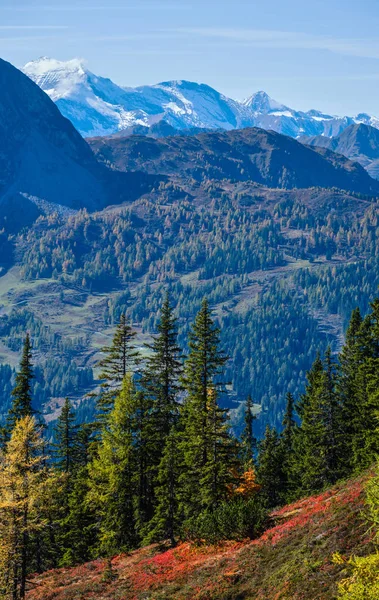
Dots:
pixel 251 154
pixel 358 142
pixel 97 106
pixel 45 163
pixel 41 153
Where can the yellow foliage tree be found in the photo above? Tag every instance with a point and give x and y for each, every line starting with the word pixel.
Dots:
pixel 24 483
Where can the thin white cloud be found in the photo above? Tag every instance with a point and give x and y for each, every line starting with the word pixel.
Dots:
pixel 31 27
pixel 84 7
pixel 266 38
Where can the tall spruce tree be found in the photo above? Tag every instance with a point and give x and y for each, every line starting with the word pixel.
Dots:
pixel 78 526
pixel 161 377
pixel 287 444
pixel 121 358
pixel 206 441
pixel 22 391
pixel 248 440
pixel 66 438
pixel 167 520
pixel 161 388
pixel 112 475
pixel 270 472
pixel 318 456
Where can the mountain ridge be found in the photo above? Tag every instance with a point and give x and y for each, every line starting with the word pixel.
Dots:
pixel 359 143
pixel 98 106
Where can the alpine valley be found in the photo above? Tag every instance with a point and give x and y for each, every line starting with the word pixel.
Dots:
pixel 279 235
pixel 189 341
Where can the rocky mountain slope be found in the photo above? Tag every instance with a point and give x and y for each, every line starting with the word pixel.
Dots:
pixel 292 559
pixel 44 162
pixel 264 157
pixel 41 153
pixel 97 106
pixel 359 143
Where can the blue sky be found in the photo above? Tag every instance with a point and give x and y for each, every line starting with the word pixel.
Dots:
pixel 321 54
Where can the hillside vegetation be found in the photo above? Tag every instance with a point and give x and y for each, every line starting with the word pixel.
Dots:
pixel 292 560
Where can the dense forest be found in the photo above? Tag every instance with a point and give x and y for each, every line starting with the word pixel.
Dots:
pixel 282 271
pixel 159 460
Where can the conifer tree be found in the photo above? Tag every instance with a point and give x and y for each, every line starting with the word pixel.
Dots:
pixel 121 358
pixel 22 498
pixel 248 440
pixel 77 525
pixel 161 377
pixel 66 438
pixel 167 520
pixel 289 425
pixel 318 458
pixel 22 392
pixel 270 473
pixel 112 475
pixel 218 472
pixel 205 436
pixel 145 461
pixel 161 388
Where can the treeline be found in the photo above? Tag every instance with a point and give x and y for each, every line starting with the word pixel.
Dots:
pixel 160 462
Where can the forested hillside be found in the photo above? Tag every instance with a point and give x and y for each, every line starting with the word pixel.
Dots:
pixel 160 464
pixel 282 271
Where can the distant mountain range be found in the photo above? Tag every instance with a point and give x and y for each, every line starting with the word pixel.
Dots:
pixel 97 106
pixel 359 143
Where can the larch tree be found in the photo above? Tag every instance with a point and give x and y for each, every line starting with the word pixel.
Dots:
pixel 23 484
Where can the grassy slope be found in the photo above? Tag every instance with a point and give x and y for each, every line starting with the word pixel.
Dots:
pixel 291 561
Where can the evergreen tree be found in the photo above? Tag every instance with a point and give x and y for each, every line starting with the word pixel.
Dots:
pixel 289 425
pixel 77 525
pixel 287 444
pixel 66 438
pixel 167 520
pixel 22 392
pixel 248 440
pixel 318 450
pixel 161 388
pixel 145 469
pixel 206 440
pixel 162 372
pixel 121 358
pixel 270 473
pixel 112 475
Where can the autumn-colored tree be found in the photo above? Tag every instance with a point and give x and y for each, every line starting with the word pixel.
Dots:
pixel 24 481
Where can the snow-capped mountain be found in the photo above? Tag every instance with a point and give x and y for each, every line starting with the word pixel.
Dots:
pixel 97 106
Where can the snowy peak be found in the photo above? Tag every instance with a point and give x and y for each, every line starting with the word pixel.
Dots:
pixel 57 78
pixel 97 106
pixel 262 103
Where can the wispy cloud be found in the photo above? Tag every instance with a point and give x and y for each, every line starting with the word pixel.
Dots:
pixel 31 27
pixel 86 7
pixel 266 38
